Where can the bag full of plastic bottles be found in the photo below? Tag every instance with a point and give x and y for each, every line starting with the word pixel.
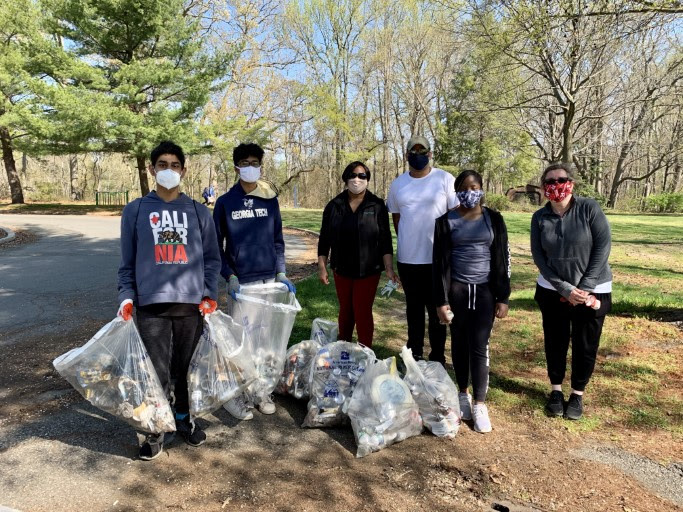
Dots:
pixel 324 331
pixel 435 393
pixel 267 313
pixel 115 374
pixel 334 374
pixel 294 380
pixel 220 367
pixel 382 409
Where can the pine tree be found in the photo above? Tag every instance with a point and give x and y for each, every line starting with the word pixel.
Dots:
pixel 156 67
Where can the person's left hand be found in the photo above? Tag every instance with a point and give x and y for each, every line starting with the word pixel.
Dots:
pixel 207 306
pixel 282 278
pixel 501 310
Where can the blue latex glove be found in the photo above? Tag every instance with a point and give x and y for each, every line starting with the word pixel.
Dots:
pixel 282 278
pixel 233 286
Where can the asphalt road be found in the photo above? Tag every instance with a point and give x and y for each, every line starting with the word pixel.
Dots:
pixel 67 276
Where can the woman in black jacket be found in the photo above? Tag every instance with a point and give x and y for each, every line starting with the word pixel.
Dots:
pixel 471 272
pixel 355 228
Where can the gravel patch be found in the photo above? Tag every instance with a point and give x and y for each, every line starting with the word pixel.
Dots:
pixel 21 237
pixel 666 481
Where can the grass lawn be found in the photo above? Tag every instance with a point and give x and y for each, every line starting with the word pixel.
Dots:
pixel 638 382
pixel 67 208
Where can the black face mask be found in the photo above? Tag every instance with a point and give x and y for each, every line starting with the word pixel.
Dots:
pixel 418 162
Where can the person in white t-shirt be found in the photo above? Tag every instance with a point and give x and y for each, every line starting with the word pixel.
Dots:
pixel 416 199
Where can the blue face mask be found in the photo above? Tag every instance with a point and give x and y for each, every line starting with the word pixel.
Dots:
pixel 418 162
pixel 470 198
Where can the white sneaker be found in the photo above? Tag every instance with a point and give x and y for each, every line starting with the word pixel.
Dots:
pixel 465 400
pixel 238 409
pixel 266 405
pixel 482 423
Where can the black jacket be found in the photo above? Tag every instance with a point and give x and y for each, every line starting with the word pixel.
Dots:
pixel 500 259
pixel 374 236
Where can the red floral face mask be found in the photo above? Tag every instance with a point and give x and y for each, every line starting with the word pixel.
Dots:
pixel 558 192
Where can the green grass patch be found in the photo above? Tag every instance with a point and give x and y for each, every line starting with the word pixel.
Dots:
pixel 58 208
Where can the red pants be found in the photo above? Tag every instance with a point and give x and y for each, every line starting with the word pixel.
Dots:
pixel 355 307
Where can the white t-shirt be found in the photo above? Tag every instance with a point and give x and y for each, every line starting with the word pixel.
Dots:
pixel 420 201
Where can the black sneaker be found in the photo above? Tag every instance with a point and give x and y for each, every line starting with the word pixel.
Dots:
pixel 574 407
pixel 190 431
pixel 152 447
pixel 555 404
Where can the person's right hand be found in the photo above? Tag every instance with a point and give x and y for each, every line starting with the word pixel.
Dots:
pixel 322 275
pixel 577 297
pixel 442 311
pixel 126 310
pixel 233 286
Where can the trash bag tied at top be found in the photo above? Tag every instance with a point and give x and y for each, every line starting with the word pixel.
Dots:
pixel 220 367
pixel 382 409
pixel 435 393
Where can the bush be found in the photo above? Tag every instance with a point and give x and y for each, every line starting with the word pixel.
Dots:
pixel 587 190
pixel 664 203
pixel 497 202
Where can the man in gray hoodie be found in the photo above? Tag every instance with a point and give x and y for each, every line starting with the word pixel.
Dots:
pixel 169 271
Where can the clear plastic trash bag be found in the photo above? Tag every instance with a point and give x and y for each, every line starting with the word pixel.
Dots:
pixel 382 409
pixel 435 393
pixel 267 312
pixel 294 380
pixel 324 331
pixel 114 373
pixel 334 374
pixel 221 367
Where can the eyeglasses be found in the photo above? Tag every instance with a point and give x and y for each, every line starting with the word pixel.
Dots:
pixel 359 175
pixel 553 181
pixel 248 163
pixel 419 152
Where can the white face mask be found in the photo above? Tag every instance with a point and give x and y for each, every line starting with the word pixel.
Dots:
pixel 250 174
pixel 357 186
pixel 168 178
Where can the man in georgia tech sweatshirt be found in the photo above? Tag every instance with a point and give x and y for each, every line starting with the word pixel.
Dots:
pixel 252 247
pixel 169 270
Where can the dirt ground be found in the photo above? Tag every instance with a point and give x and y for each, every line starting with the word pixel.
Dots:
pixel 63 454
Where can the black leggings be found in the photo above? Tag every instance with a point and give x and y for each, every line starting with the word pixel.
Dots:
pixel 417 285
pixel 562 321
pixel 473 307
pixel 170 342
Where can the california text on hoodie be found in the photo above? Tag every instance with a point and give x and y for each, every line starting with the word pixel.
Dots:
pixel 168 252
pixel 249 231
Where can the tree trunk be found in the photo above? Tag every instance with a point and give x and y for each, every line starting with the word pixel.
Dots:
pixel 677 177
pixel 24 165
pixel 11 167
pixel 73 178
pixel 142 174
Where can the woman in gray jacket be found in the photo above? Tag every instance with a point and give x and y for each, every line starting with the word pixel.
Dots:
pixel 570 244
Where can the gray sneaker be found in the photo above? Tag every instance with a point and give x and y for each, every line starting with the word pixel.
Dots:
pixel 238 408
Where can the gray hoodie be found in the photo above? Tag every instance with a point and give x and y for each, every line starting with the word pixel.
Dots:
pixel 572 251
pixel 168 252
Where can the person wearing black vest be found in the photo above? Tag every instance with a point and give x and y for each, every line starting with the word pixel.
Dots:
pixel 355 229
pixel 471 283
